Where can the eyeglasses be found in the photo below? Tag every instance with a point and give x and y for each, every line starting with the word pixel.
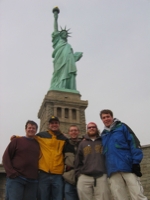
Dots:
pixel 91 127
pixel 74 130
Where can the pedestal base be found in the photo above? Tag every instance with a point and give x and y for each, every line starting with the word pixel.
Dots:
pixel 67 106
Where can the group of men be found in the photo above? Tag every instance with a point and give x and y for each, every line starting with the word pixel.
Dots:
pixel 49 166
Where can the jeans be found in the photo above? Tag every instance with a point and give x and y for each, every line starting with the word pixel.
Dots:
pixel 70 191
pixel 20 189
pixel 50 186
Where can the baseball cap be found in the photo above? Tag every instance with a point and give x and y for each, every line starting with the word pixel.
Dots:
pixel 53 118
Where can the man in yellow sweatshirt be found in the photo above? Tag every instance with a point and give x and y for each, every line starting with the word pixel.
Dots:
pixel 51 163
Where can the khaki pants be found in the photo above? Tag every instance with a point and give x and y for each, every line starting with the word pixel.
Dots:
pixel 87 191
pixel 120 181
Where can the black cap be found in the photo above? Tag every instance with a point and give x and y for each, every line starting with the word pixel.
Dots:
pixel 53 118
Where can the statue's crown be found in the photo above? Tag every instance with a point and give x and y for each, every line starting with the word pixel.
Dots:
pixel 67 31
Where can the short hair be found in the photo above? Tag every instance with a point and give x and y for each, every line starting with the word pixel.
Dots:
pixel 73 125
pixel 32 123
pixel 106 111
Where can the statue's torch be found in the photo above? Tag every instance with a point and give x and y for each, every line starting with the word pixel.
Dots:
pixel 56 9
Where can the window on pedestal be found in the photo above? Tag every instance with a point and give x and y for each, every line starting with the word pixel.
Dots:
pixel 59 112
pixel 74 114
pixel 66 113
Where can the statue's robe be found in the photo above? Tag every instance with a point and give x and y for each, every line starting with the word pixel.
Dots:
pixel 64 64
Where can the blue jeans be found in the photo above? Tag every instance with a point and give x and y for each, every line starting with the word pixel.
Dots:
pixel 70 192
pixel 20 189
pixel 50 186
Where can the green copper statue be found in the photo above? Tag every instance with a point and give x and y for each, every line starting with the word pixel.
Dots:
pixel 64 75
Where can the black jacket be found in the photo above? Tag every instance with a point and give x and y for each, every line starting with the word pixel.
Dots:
pixel 70 150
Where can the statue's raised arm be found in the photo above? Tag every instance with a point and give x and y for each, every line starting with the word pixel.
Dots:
pixel 64 59
pixel 56 12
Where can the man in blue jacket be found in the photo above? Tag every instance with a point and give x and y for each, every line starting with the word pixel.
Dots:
pixel 123 156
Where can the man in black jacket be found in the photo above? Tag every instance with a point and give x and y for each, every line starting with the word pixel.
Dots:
pixel 70 149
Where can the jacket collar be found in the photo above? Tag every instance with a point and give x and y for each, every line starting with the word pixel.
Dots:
pixel 115 122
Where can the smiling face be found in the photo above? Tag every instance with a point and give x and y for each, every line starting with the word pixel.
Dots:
pixel 107 119
pixel 73 132
pixel 92 130
pixel 31 130
pixel 54 125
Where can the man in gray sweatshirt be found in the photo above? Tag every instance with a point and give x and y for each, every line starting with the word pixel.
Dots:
pixel 90 167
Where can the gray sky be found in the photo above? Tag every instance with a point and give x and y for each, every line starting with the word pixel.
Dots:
pixel 114 72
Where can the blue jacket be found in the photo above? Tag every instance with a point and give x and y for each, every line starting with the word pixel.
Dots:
pixel 120 149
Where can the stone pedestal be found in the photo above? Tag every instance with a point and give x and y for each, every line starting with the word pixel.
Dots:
pixel 67 106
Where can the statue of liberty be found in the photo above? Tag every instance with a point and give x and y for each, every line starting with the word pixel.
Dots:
pixel 64 59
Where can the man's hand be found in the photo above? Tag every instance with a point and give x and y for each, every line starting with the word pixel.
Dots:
pixel 12 137
pixel 14 175
pixel 136 169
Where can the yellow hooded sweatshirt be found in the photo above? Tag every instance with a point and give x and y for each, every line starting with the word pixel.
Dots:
pixel 51 146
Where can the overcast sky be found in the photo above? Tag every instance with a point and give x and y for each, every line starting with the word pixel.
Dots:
pixel 114 72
